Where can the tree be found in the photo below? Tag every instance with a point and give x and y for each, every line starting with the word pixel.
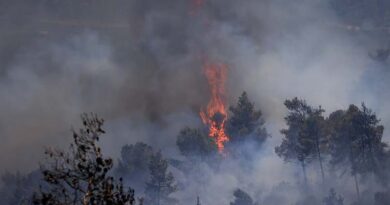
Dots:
pixel 314 132
pixel 303 139
pixel 198 201
pixel 80 176
pixel 246 123
pixel 18 188
pixel 382 198
pixel 333 199
pixel 134 164
pixel 161 183
pixel 241 198
pixel 356 140
pixel 195 145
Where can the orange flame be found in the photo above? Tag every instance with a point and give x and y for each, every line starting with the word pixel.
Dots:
pixel 215 115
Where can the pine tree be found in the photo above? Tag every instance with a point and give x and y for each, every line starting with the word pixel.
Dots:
pixel 356 140
pixel 314 131
pixel 80 176
pixel 133 165
pixel 161 183
pixel 194 144
pixel 246 123
pixel 304 138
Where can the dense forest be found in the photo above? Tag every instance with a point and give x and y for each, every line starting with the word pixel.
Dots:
pixel 347 143
pixel 194 102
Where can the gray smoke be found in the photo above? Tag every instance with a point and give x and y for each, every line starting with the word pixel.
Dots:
pixel 138 64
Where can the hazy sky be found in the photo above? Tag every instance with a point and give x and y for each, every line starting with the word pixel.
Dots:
pixel 139 65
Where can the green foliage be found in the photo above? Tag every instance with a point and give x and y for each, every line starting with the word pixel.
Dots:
pixel 356 140
pixel 161 183
pixel 193 144
pixel 134 164
pixel 304 139
pixel 246 123
pixel 80 176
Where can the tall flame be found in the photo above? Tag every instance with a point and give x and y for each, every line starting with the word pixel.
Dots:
pixel 215 115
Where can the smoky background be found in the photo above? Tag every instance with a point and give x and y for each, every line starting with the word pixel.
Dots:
pixel 138 64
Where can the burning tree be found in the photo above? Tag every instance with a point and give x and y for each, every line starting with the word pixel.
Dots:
pixel 80 176
pixel 215 115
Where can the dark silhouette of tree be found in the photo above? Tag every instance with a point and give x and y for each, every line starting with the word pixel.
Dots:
pixel 380 55
pixel 80 176
pixel 134 164
pixel 18 188
pixel 246 123
pixel 241 198
pixel 356 140
pixel 314 133
pixel 195 145
pixel 333 199
pixel 305 137
pixel 382 198
pixel 161 183
pixel 198 201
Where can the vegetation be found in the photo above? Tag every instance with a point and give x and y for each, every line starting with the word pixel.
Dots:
pixel 305 136
pixel 347 141
pixel 161 183
pixel 194 144
pixel 245 123
pixel 80 176
pixel 241 198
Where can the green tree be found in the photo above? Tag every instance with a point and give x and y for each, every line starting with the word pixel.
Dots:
pixel 195 145
pixel 161 183
pixel 304 138
pixel 356 140
pixel 314 132
pixel 80 176
pixel 246 123
pixel 134 164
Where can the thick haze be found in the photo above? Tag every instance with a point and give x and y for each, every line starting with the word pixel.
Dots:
pixel 138 64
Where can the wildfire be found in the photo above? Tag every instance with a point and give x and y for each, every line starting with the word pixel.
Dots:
pixel 215 115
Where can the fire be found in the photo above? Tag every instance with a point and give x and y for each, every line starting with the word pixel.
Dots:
pixel 215 115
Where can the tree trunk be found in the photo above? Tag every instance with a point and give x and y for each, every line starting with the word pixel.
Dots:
pixel 356 186
pixel 320 160
pixel 304 172
pixel 158 194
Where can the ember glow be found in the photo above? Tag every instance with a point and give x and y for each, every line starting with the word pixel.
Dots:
pixel 215 115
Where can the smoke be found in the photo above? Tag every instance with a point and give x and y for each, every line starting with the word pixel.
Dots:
pixel 138 65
